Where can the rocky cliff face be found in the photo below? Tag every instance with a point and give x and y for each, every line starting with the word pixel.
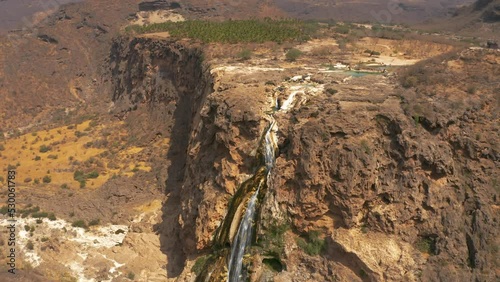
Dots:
pixel 400 190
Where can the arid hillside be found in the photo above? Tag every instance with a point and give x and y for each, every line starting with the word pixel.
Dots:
pixel 480 19
pixel 142 140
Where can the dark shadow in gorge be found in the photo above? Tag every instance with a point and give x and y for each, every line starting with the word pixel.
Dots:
pixel 192 86
pixel 169 228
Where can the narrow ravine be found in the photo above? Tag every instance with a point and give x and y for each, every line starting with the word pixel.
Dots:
pixel 233 240
pixel 243 238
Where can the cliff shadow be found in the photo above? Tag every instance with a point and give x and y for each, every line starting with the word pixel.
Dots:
pixel 191 87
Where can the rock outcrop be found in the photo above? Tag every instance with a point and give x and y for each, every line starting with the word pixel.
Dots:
pixel 399 190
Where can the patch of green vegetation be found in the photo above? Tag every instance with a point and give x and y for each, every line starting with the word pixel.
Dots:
pixel 53 157
pixel 416 119
pixel 37 158
pixel 79 223
pixel 36 181
pixel 472 89
pixel 30 246
pixel 293 54
pixel 342 29
pixel 273 242
pixel 47 179
pixel 245 55
pixel 79 134
pixel 199 264
pixel 234 31
pixel 372 52
pixel 29 210
pixel 4 209
pixel 94 222
pixel 363 274
pixel 93 174
pixel 426 245
pixel 45 148
pixel 331 91
pixel 93 123
pixel 64 186
pixel 313 244
pixel 131 275
pixel 274 264
pixel 81 177
pixel 366 147
pixel 39 214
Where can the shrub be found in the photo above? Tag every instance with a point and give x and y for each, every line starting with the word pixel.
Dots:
pixel 245 55
pixel 94 222
pixel 426 245
pixel 79 223
pixel 30 245
pixel 131 276
pixel 64 186
pixel 2 148
pixel 93 174
pixel 79 134
pixel 47 179
pixel 78 175
pixel 365 146
pixel 36 181
pixel 52 216
pixel 44 239
pixel 39 214
pixel 2 179
pixel 273 240
pixel 472 89
pixel 293 54
pixel 4 209
pixel 199 264
pixel 37 158
pixel 44 149
pixel 93 123
pixel 342 29
pixel 410 81
pixel 313 245
pixel 331 91
pixel 54 157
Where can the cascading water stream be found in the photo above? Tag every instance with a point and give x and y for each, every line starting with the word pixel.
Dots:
pixel 237 229
pixel 243 237
pixel 242 240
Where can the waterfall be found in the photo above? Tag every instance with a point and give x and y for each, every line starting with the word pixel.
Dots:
pixel 269 145
pixel 242 240
pixel 243 237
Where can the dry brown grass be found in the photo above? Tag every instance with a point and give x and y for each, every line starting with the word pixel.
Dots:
pixel 70 151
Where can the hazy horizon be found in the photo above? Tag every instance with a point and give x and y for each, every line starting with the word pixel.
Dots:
pixel 12 12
